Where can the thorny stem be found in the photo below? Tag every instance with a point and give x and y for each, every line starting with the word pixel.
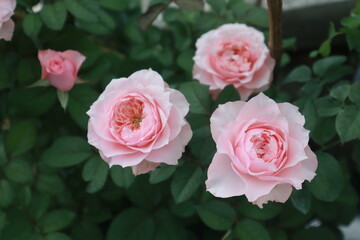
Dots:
pixel 275 31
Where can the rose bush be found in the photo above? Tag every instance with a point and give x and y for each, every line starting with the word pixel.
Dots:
pixel 60 68
pixel 233 54
pixel 7 8
pixel 262 150
pixel 139 122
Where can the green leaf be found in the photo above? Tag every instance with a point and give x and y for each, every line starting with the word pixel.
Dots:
pixel 229 93
pixel 66 152
pixel 324 130
pixel 185 60
pixel 257 16
pixel 184 210
pixel 327 106
pixel 341 91
pixel 83 9
pixel 167 226
pixel 32 24
pixel 80 101
pixel 348 123
pixel 185 182
pixel 57 236
pixel 116 5
pixel 28 71
pixel 193 5
pixel 63 98
pixel 2 220
pixel 323 66
pixel 313 233
pixel 301 200
pixel 300 74
pixel 355 93
pixel 38 206
pixel 6 193
pixel 131 224
pixel 329 180
pixel 88 231
pixel 217 5
pixel 251 230
pixel 50 184
pixel 198 97
pixel 269 210
pixel 3 158
pixel 216 214
pixel 56 220
pixel 122 177
pixel 33 102
pixel 202 145
pixel 95 171
pixel 105 24
pixel 325 47
pixel 54 15
pixel 351 22
pixel 161 173
pixel 150 15
pixel 21 137
pixel 18 171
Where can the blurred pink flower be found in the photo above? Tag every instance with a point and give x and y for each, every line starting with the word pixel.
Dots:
pixel 262 151
pixel 7 8
pixel 60 68
pixel 233 54
pixel 139 122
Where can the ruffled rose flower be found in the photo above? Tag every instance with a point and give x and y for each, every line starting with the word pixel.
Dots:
pixel 60 68
pixel 233 54
pixel 139 122
pixel 262 151
pixel 7 8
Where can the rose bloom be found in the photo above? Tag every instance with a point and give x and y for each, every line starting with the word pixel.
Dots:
pixel 7 26
pixel 60 68
pixel 262 151
pixel 233 54
pixel 139 122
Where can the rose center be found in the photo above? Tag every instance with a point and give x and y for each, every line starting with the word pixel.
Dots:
pixel 56 65
pixel 128 114
pixel 265 146
pixel 236 56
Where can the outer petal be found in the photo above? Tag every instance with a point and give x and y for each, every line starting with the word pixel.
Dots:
pixel 6 30
pixel 171 152
pixel 296 123
pixel 280 193
pixel 222 180
pixel 66 80
pixel 144 167
pixel 224 114
pixel 75 57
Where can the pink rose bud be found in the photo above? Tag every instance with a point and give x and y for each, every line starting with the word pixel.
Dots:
pixel 7 26
pixel 139 122
pixel 61 68
pixel 262 151
pixel 233 54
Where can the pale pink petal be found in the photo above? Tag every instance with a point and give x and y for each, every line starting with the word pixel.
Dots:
pixel 171 152
pixel 144 167
pixel 280 193
pixel 224 114
pixel 66 80
pixel 222 181
pixel 127 160
pixel 310 165
pixel 256 187
pixel 6 30
pixel 179 101
pixel 75 57
pixel 296 123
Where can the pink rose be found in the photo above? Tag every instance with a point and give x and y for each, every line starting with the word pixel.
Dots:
pixel 7 26
pixel 262 151
pixel 61 68
pixel 139 122
pixel 233 54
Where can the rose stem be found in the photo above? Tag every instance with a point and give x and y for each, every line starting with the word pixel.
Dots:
pixel 275 31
